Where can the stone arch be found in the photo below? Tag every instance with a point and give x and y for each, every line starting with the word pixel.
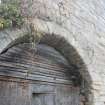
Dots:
pixel 59 40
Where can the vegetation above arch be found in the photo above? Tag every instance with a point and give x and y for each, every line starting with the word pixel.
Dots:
pixel 10 14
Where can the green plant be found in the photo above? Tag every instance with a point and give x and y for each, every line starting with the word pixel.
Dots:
pixel 10 15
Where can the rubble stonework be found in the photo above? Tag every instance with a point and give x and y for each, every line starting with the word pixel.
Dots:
pixel 81 23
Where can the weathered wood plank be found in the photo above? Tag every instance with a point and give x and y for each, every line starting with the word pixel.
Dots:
pixel 33 69
pixel 43 64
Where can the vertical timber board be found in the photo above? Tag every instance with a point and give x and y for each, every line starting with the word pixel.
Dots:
pixel 66 95
pixel 14 93
pixel 20 92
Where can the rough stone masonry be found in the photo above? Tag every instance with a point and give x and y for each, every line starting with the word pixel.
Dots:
pixel 81 23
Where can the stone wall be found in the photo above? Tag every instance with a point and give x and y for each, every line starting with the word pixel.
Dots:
pixel 81 23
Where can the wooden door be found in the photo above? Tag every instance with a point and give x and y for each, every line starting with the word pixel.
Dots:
pixel 38 66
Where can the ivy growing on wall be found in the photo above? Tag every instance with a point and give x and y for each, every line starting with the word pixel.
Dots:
pixel 10 15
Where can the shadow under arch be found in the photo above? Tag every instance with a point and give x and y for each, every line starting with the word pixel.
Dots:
pixel 71 54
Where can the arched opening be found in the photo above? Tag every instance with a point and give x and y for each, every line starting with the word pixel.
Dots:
pixel 82 82
pixel 57 81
